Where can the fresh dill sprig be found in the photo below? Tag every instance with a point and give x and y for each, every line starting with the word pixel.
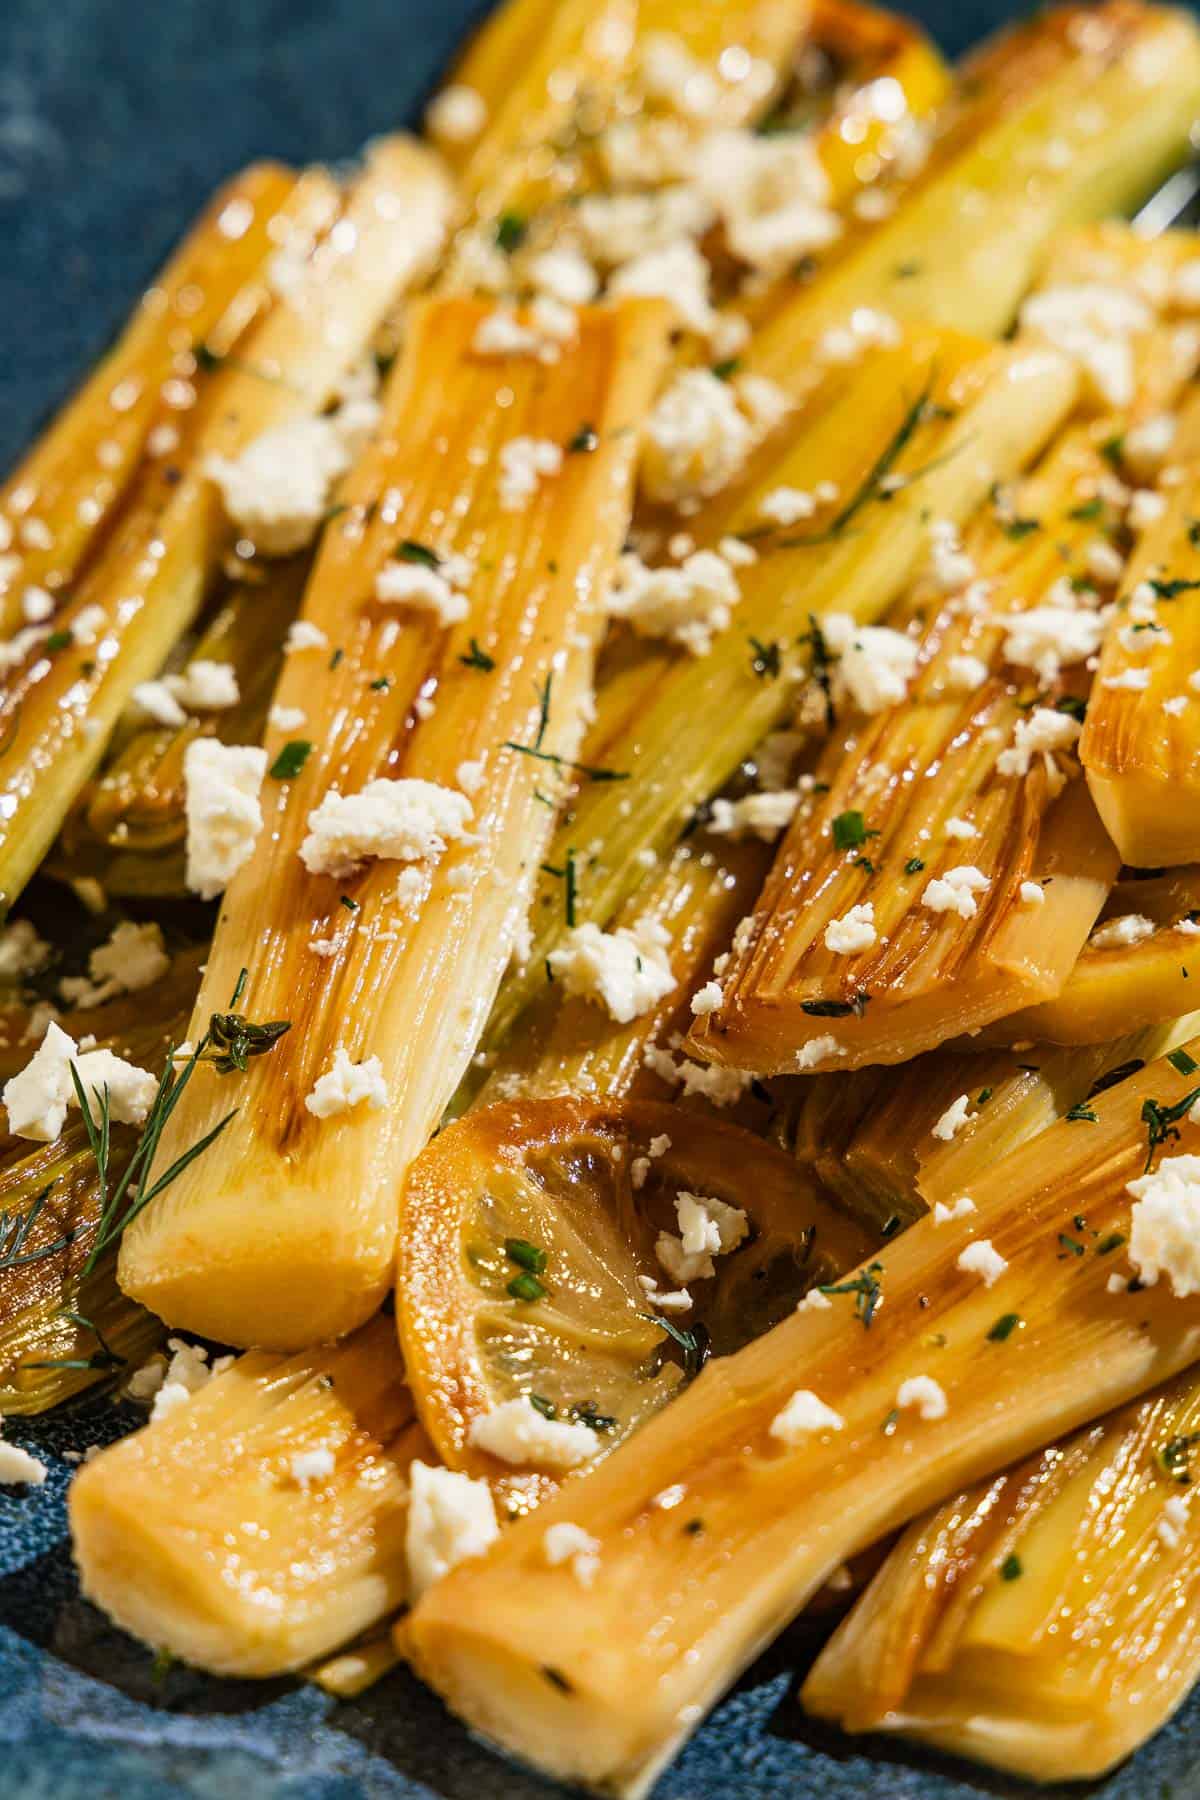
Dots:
pixel 16 1229
pixel 867 1289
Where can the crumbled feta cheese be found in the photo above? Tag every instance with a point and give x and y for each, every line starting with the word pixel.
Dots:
pixel 1049 638
pixel 205 686
pixel 22 951
pixel 960 829
pixel 565 274
pixel 949 565
pixel 1043 731
pixel 680 1300
pixel 772 195
pixel 1172 1521
pixel 277 490
pixel 1092 323
pixel 958 1209
pixel 953 1119
pixel 87 625
pixel 450 1518
pixel 301 635
pixel 814 1301
pixel 786 505
pixel 980 1258
pixel 701 432
pixel 755 815
pixel 412 584
pixel 875 663
pixel 524 461
pixel 36 606
pixel 1135 680
pixel 1164 1227
pixel 402 821
pixel 853 932
pixel 707 1228
pixel 286 718
pixel 925 1394
pixel 804 1414
pixel 550 325
pixel 17 1465
pixel 1104 563
pixel 817 1050
pixel 689 604
pixel 157 702
pixel 565 1542
pixel 37 1098
pixel 707 999
pixel 955 891
pixel 345 1085
pixel 457 115
pixel 131 1090
pixel 1032 893
pixel 224 818
pixel 470 775
pixel 517 1432
pixel 1146 446
pixel 312 1465
pixel 1146 509
pixel 133 958
pixel 619 228
pixel 626 970
pixel 188 1371
pixel 965 674
pixel 676 272
pixel 1117 934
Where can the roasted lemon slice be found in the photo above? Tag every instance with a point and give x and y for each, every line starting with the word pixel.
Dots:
pixel 584 1259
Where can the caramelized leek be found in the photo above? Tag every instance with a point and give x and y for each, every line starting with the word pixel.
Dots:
pixel 721 1518
pixel 1044 1621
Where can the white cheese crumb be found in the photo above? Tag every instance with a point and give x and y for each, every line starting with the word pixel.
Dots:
pixel 707 999
pixel 286 718
pixel 1117 934
pixel 1146 446
pixel 955 891
pixel 22 951
pixel 1172 1521
pixel 804 1414
pixel 312 1465
pixel 470 775
pixel 925 1394
pixel 980 1258
pixel 676 272
pixel 965 674
pixel 1093 323
pixel 958 1209
pixel 814 1301
pixel 1032 893
pixel 188 1371
pixel 1047 639
pixel 772 195
pixel 1175 706
pixel 17 1465
pixel 37 606
pixel 565 1542
pixel 953 1119
pixel 701 432
pixel 37 1098
pixel 679 1300
pixel 1146 509
pixel 403 821
pixel 277 490
pixel 760 815
pixel 412 584
pixel 565 274
pixel 450 1518
pixel 517 1432
pixel 1135 680
pixel 132 958
pixel 626 970
pixel 1042 732
pixel 853 932
pixel 817 1050
pixel 786 505
pixel 302 635
pixel 224 817
pixel 949 565
pixel 960 828
pixel 875 663
pixel 707 1228
pixel 689 604
pixel 345 1085
pixel 524 462
pixel 457 115
pixel 1164 1229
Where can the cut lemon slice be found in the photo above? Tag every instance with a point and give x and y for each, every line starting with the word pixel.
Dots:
pixel 530 1266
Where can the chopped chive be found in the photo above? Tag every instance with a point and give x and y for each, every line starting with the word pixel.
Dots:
pixel 526 1287
pixel 525 1255
pixel 913 866
pixel 291 759
pixel 850 830
pixel 510 231
pixel 478 659
pixel 1182 1062
pixel 1011 1568
pixel 1004 1327
pixel 409 550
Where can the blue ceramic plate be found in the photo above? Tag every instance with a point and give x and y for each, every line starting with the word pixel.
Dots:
pixel 117 118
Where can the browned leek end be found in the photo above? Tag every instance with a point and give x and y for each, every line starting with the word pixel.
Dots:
pixel 580 1192
pixel 792 1003
pixel 200 1535
pixel 714 1529
pixel 1045 1621
pixel 1139 742
pixel 1139 968
pixel 285 1230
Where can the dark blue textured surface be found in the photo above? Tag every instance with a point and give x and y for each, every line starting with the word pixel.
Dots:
pixel 117 118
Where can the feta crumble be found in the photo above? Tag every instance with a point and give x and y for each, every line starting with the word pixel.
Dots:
pixel 407 820
pixel 524 462
pixel 38 1097
pixel 1044 731
pixel 804 1414
pixel 955 891
pixel 566 1542
pixel 961 1208
pixel 701 431
pixel 707 1227
pixel 17 1465
pixel 759 815
pixel 953 1119
pixel 276 491
pixel 132 958
pixel 457 115
pixel 517 1433
pixel 689 604
pixel 22 951
pixel 301 634
pixel 853 932
pixel 875 663
pixel 412 584
pixel 925 1394
pixel 450 1518
pixel 345 1085
pixel 980 1258
pixel 1118 934
pixel 224 817
pixel 1032 893
pixel 312 1465
pixel 626 970
pixel 1164 1226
